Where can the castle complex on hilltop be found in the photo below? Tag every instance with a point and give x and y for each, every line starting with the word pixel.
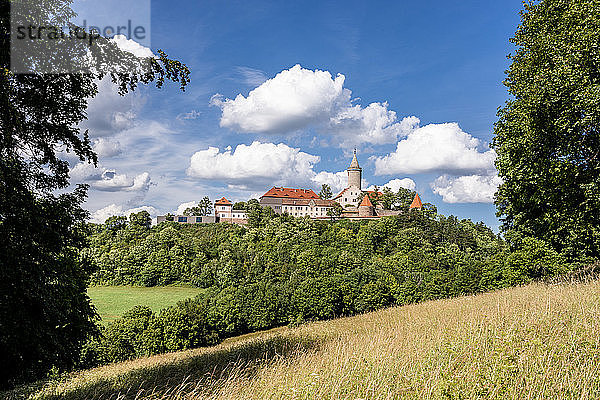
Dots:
pixel 304 202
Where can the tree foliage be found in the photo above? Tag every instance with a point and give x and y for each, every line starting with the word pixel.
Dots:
pixel 548 134
pixel 141 219
pixel 204 207
pixel 258 215
pixel 45 314
pixel 399 200
pixel 325 192
pixel 389 200
pixel 335 211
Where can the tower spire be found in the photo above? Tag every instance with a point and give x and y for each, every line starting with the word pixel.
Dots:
pixel 354 163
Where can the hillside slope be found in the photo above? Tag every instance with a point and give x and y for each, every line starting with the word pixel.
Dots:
pixel 536 341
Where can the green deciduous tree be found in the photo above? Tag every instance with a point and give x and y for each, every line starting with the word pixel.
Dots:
pixel 396 201
pixel 185 326
pixel 325 192
pixel 548 134
pixel 141 219
pixel 204 207
pixel 258 215
pixel 115 223
pixel 335 211
pixel 45 314
pixel 239 205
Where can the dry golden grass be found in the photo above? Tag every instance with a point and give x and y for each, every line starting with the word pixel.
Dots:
pixel 533 342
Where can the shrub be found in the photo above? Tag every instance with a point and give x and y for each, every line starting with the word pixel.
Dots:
pixel 186 326
pixel 532 259
pixel 136 334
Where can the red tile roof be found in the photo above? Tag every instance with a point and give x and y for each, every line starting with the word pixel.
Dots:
pixel 372 192
pixel 416 203
pixel 306 202
pixel 223 202
pixel 366 202
pixel 288 193
pixel 341 193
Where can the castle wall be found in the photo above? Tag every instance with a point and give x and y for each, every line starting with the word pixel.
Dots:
pixel 273 202
pixel 366 211
pixel 387 213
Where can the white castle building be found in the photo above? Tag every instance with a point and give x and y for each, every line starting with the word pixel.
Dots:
pixel 305 203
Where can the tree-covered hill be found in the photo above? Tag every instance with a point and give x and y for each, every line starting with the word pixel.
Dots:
pixel 283 270
pixel 207 255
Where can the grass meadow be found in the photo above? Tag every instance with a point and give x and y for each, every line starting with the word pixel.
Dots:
pixel 112 301
pixel 534 342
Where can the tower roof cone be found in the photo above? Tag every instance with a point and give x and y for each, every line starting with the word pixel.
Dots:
pixel 416 203
pixel 366 202
pixel 354 163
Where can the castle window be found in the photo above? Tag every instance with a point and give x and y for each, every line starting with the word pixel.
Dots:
pixel 199 219
pixel 181 219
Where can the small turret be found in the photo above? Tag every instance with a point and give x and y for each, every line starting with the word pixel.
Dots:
pixel 416 203
pixel 366 209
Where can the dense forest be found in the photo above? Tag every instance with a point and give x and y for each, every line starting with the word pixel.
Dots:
pixel 282 270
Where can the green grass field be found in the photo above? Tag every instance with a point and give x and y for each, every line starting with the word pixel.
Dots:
pixel 532 342
pixel 112 301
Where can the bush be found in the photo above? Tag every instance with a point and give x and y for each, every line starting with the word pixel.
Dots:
pixel 136 334
pixel 186 326
pixel 532 259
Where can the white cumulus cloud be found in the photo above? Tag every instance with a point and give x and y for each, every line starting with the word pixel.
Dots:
pixel 291 100
pixel 337 181
pixel 261 165
pixel 100 216
pixel 467 189
pixel 437 147
pixel 131 46
pixel 184 206
pixel 373 124
pixel 105 147
pixel 109 180
pixel 256 164
pixel 395 184
pixel 113 182
pixel 299 98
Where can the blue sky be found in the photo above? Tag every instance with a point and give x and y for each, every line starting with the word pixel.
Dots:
pixel 418 97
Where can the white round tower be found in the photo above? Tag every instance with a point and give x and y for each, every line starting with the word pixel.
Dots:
pixel 354 173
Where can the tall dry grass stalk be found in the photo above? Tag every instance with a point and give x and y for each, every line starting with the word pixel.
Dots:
pixel 533 342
